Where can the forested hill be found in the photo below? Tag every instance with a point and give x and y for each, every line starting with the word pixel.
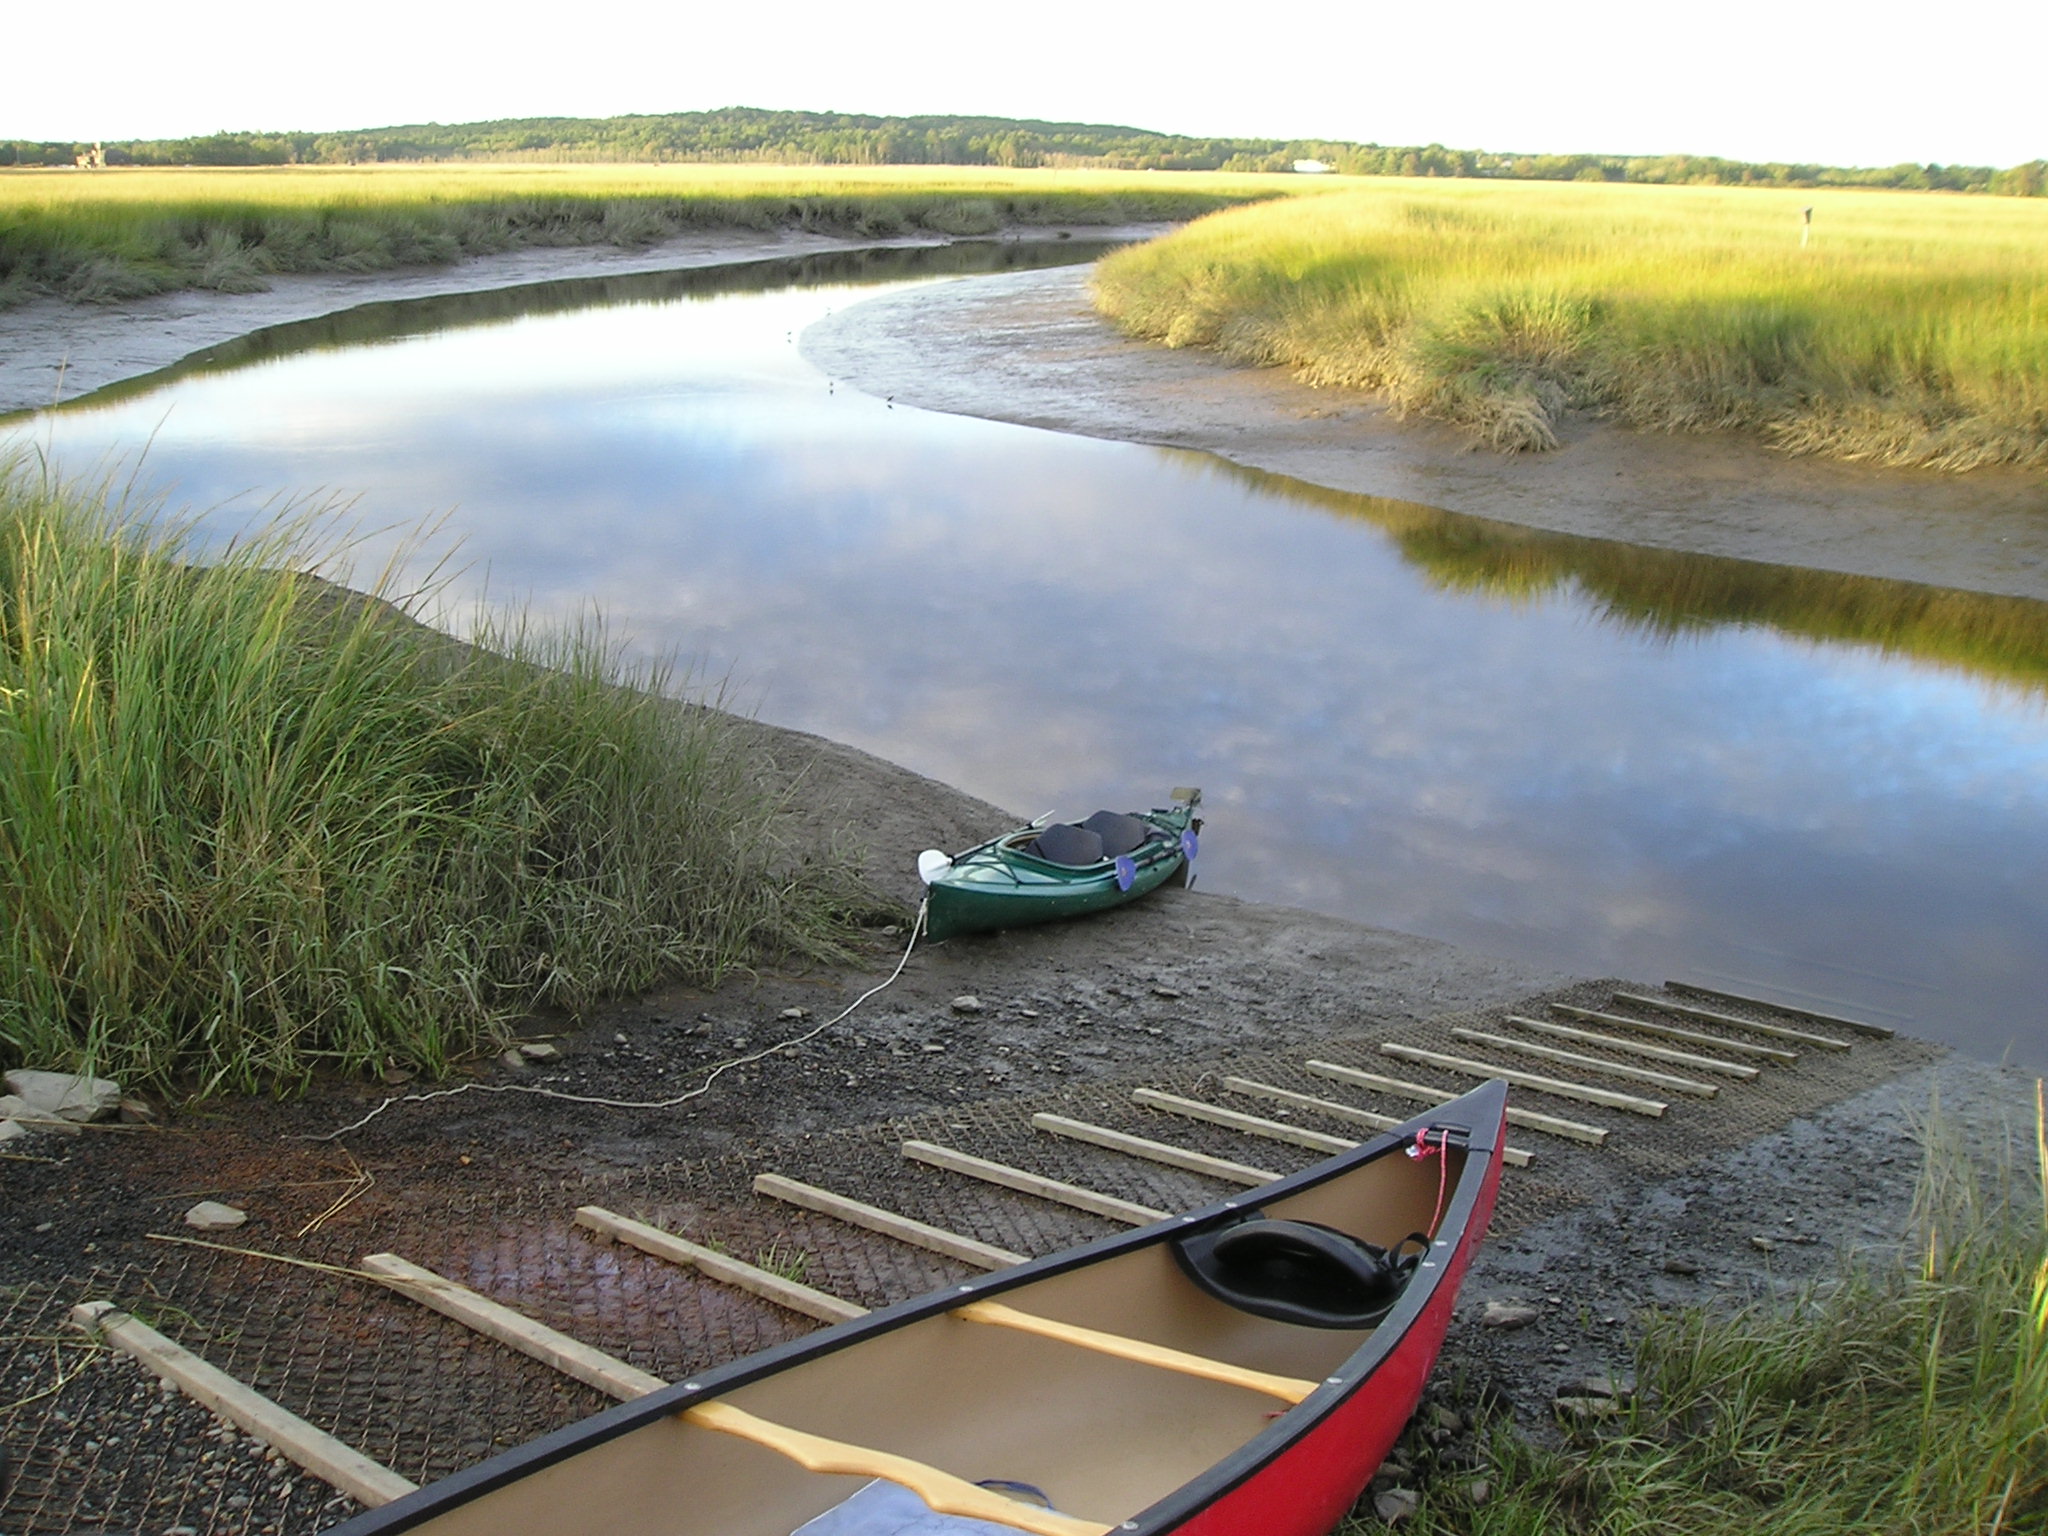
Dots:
pixel 829 138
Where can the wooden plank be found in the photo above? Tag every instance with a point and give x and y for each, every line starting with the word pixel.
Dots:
pixel 1584 1093
pixel 1528 1119
pixel 1092 1201
pixel 718 1266
pixel 903 1228
pixel 1153 1151
pixel 1251 1125
pixel 1668 1081
pixel 944 1492
pixel 1514 1156
pixel 1771 1053
pixel 1735 1069
pixel 342 1466
pixel 1769 1031
pixel 1875 1031
pixel 1289 1389
pixel 1691 1087
pixel 572 1357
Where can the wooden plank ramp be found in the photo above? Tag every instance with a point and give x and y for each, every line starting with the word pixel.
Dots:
pixel 1528 1119
pixel 1771 1053
pixel 1515 1157
pixel 903 1228
pixel 1691 1087
pixel 1730 1021
pixel 1024 1182
pixel 1860 1026
pixel 342 1466
pixel 1153 1151
pixel 1584 1093
pixel 714 1265
pixel 1740 1071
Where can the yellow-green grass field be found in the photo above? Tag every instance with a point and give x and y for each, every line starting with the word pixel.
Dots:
pixel 1909 329
pixel 102 236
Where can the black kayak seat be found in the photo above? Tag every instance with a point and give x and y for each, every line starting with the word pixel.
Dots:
pixel 1065 843
pixel 1120 833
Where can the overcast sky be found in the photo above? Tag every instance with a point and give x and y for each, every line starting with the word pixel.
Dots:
pixel 1749 79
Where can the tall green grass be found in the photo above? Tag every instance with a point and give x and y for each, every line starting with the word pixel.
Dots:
pixel 121 234
pixel 1911 330
pixel 1906 1397
pixel 251 824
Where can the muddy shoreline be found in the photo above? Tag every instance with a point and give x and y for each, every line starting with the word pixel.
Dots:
pixel 1028 348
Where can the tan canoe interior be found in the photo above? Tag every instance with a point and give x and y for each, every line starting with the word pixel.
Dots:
pixel 1103 1436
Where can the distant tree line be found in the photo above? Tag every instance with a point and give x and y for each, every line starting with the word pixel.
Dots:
pixel 824 138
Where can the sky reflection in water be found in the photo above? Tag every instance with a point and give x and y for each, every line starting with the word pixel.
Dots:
pixel 1057 622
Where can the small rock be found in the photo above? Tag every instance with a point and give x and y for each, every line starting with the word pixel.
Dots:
pixel 66 1094
pixel 1509 1314
pixel 1762 1244
pixel 212 1216
pixel 967 1002
pixel 1027 1013
pixel 1477 1492
pixel 622 1039
pixel 513 1058
pixel 1586 1410
pixel 1396 1505
pixel 539 1050
pixel 137 1112
pixel 1168 992
pixel 793 1014
pixel 11 1129
pixel 932 1050
pixel 1596 1386
pixel 1447 1419
pixel 396 1075
pixel 1679 1265
pixel 26 1117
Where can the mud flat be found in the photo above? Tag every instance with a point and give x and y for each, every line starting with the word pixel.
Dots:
pixel 1028 348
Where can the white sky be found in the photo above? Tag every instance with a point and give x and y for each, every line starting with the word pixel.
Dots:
pixel 1750 79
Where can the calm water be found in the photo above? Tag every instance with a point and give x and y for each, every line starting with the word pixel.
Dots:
pixel 1617 761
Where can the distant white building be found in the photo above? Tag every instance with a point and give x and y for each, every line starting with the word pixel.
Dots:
pixel 1312 168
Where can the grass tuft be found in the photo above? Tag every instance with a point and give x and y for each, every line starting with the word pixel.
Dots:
pixel 251 824
pixel 1908 1396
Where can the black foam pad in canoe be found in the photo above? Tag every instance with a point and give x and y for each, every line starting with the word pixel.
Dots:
pixel 1065 843
pixel 1120 833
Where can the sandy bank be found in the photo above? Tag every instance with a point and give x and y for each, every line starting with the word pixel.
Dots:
pixel 1028 348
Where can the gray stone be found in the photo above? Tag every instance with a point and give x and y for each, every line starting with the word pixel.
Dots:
pixel 212 1216
pixel 539 1050
pixel 1396 1505
pixel 794 1014
pixel 17 1111
pixel 1509 1314
pixel 1478 1492
pixel 967 1002
pixel 1586 1410
pixel 1678 1264
pixel 138 1112
pixel 66 1094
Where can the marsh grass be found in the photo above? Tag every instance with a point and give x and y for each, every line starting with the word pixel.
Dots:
pixel 1913 330
pixel 122 234
pixel 251 823
pixel 1907 1396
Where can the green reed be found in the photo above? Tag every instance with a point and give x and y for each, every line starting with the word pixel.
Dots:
pixel 1905 1396
pixel 1900 328
pixel 251 823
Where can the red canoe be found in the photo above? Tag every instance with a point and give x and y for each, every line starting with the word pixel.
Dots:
pixel 1237 1371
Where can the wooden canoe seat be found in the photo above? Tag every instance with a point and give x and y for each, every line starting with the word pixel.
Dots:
pixel 1289 1389
pixel 944 1492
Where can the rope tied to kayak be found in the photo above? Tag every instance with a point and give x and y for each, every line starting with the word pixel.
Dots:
pixel 917 927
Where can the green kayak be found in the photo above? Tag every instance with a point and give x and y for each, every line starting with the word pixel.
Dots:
pixel 1042 872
